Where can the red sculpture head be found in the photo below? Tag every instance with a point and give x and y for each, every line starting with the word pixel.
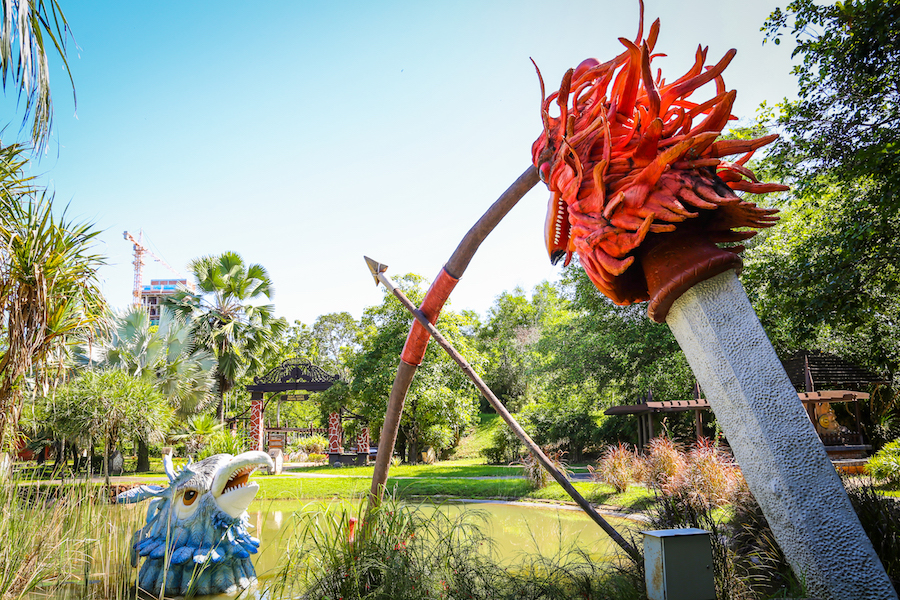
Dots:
pixel 639 188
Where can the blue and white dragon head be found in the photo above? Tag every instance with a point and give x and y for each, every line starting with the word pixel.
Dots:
pixel 196 538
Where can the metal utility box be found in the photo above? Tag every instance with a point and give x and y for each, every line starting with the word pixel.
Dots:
pixel 678 565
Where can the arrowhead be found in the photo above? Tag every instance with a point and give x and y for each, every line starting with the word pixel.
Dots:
pixel 375 268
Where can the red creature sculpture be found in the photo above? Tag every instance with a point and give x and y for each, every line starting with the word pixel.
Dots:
pixel 639 187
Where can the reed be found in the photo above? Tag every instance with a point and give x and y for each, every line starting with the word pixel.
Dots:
pixel 416 552
pixel 64 541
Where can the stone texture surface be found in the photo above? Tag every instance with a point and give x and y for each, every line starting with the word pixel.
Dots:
pixel 774 442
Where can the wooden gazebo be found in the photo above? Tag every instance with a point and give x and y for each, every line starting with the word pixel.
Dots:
pixel 281 383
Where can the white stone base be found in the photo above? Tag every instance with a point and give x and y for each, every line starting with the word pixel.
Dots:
pixel 774 442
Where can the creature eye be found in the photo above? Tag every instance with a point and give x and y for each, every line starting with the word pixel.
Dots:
pixel 544 171
pixel 189 497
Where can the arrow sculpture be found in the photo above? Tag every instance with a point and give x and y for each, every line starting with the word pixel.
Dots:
pixel 644 196
pixel 378 271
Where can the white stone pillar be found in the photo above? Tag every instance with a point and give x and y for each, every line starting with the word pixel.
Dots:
pixel 774 443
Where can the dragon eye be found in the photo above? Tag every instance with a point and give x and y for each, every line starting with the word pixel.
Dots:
pixel 544 171
pixel 189 497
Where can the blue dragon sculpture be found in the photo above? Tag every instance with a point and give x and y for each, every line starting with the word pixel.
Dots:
pixel 196 536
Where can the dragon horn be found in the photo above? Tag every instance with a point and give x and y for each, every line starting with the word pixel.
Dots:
pixel 169 468
pixel 139 494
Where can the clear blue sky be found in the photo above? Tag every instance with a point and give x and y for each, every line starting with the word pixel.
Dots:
pixel 304 135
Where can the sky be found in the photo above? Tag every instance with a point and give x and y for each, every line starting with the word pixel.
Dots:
pixel 304 135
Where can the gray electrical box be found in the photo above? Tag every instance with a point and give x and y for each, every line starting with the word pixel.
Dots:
pixel 678 565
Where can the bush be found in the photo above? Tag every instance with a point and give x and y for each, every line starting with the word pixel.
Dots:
pixel 885 465
pixel 567 424
pixel 505 447
pixel 224 442
pixel 880 518
pixel 710 477
pixel 316 458
pixel 313 444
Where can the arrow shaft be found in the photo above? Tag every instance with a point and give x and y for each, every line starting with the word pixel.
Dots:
pixel 501 410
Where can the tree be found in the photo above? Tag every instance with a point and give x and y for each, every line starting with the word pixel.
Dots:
pixel 165 356
pixel 49 292
pixel 607 355
pixel 826 276
pixel 109 404
pixel 26 28
pixel 335 335
pixel 509 338
pixel 441 402
pixel 224 320
pixel 846 120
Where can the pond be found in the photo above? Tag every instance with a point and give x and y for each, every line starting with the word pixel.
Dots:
pixel 516 528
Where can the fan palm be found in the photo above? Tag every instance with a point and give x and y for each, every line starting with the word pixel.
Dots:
pixel 240 334
pixel 164 356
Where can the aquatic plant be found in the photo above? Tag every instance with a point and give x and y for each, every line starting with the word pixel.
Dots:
pixel 414 552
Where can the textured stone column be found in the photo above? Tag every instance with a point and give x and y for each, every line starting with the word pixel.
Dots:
pixel 335 434
pixel 774 443
pixel 362 440
pixel 256 422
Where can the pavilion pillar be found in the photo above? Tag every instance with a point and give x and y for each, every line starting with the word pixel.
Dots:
pixel 257 424
pixel 335 434
pixel 362 440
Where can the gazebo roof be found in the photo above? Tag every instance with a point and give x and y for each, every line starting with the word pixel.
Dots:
pixel 294 374
pixel 828 371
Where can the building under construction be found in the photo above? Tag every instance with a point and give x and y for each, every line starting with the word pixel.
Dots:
pixel 152 295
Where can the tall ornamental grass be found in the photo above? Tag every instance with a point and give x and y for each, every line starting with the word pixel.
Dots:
pixel 64 541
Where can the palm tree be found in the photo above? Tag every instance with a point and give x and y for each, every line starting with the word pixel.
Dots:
pixel 240 334
pixel 49 292
pixel 165 356
pixel 27 28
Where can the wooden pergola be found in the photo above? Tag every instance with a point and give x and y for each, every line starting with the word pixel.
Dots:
pixel 806 370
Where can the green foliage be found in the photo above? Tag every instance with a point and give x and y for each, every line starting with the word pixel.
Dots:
pixel 880 518
pixel 227 321
pixel 610 353
pixel 825 277
pixel 562 421
pixel 846 121
pixel 164 354
pixel 51 544
pixel 505 447
pixel 28 28
pixel 441 402
pixel 407 552
pixel 509 339
pixel 885 465
pixel 225 442
pixel 49 292
pixel 111 405
pixel 313 444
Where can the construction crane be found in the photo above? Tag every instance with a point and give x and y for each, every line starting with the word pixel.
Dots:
pixel 139 250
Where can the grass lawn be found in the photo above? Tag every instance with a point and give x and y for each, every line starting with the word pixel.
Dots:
pixel 470 467
pixel 309 488
pixel 471 445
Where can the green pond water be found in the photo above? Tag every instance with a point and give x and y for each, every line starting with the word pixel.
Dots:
pixel 515 528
